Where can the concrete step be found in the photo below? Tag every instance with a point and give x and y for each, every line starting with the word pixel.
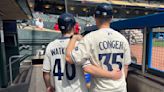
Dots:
pixel 26 62
pixel 24 71
pixel 21 84
pixel 37 83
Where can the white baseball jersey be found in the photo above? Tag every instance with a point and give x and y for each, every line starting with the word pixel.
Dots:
pixel 67 77
pixel 109 49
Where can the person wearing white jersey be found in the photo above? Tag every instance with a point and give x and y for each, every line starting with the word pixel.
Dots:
pixel 66 77
pixel 104 47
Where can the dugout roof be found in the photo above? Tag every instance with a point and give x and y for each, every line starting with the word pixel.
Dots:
pixel 153 20
pixel 14 9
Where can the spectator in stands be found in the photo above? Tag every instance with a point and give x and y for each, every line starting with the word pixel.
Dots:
pixel 56 27
pixel 39 23
pixel 77 28
pixel 40 52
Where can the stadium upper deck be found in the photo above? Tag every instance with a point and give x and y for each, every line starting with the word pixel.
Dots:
pixel 122 9
pixel 140 3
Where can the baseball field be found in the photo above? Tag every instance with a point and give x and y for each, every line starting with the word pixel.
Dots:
pixel 157 54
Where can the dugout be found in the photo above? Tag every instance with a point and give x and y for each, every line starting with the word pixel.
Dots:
pixel 10 12
pixel 147 73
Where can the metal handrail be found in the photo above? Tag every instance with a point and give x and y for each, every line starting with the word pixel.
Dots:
pixel 20 58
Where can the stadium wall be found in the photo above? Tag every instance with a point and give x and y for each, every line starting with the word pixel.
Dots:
pixel 137 83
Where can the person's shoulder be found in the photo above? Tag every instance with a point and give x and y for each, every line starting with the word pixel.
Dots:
pixel 92 33
pixel 112 30
pixel 52 43
pixel 117 32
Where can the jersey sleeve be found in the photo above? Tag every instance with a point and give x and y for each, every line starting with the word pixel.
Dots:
pixel 82 51
pixel 46 61
pixel 127 54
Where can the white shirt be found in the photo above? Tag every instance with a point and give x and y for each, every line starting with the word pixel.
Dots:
pixel 67 78
pixel 109 49
pixel 39 24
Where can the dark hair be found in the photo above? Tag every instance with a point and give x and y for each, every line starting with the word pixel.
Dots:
pixel 103 19
pixel 68 30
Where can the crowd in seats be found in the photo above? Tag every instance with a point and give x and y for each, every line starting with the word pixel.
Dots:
pixel 50 22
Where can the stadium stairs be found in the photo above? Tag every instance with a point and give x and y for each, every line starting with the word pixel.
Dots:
pixel 22 81
pixel 137 82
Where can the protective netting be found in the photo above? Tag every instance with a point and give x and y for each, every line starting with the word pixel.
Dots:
pixel 158 51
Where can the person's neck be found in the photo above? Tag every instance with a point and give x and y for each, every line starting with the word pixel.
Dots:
pixel 67 35
pixel 105 25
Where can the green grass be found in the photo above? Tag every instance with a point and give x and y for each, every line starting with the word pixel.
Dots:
pixel 158 43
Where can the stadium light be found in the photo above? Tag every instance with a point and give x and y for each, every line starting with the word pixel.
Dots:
pixel 115 11
pixel 84 9
pixel 47 6
pixel 72 8
pixel 60 7
pixel 31 5
pixel 146 13
pixel 127 12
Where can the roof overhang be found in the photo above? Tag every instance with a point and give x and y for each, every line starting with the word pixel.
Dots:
pixel 151 21
pixel 126 3
pixel 14 10
pixel 81 8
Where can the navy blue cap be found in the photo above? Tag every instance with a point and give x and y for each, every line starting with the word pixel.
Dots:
pixel 104 10
pixel 66 21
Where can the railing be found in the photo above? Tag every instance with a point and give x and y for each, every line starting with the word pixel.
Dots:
pixel 20 58
pixel 35 41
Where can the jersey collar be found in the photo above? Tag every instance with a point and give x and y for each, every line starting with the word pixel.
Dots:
pixel 65 37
